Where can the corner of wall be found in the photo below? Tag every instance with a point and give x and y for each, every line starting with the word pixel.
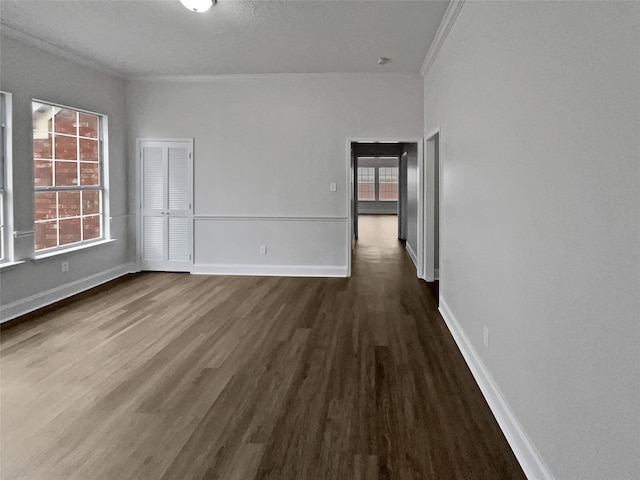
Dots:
pixel 43 299
pixel 526 453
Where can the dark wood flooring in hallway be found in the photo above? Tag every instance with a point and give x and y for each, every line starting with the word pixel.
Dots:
pixel 180 377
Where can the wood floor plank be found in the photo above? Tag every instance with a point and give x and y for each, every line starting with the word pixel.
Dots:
pixel 167 376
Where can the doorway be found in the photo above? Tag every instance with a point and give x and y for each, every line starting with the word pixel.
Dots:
pixel 385 181
pixel 432 195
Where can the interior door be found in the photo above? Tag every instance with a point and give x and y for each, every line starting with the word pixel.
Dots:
pixel 165 205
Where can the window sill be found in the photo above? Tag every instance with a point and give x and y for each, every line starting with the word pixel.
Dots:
pixel 10 264
pixel 77 248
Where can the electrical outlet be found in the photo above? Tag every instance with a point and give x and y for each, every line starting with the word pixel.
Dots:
pixel 333 187
pixel 263 249
pixel 64 266
pixel 485 336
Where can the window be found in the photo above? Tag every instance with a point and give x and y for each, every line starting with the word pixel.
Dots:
pixel 366 183
pixel 68 176
pixel 6 213
pixel 388 183
pixel 378 183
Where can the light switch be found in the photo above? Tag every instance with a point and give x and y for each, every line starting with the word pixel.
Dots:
pixel 333 187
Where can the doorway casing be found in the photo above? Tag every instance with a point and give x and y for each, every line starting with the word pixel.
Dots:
pixel 350 176
pixel 431 191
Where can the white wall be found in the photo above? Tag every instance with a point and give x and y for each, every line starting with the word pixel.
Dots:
pixel 412 201
pixel 266 150
pixel 28 72
pixel 539 109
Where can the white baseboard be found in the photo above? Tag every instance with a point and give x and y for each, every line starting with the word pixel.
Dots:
pixel 526 453
pixel 270 270
pixel 412 254
pixel 43 299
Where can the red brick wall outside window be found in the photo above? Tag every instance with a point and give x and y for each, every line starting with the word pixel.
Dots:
pixel 66 176
pixel 387 182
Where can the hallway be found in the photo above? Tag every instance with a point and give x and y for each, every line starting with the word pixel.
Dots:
pixel 178 377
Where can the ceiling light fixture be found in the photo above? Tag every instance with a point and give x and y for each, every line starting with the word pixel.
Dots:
pixel 199 6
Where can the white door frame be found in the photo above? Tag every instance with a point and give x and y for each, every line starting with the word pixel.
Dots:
pixel 419 141
pixel 430 203
pixel 138 215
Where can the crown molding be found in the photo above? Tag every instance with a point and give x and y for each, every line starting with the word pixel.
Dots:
pixel 263 76
pixel 441 35
pixel 10 32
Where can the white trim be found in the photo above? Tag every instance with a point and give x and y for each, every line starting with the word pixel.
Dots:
pixel 432 133
pixel 159 139
pixel 10 264
pixel 524 450
pixel 161 266
pixel 348 181
pixel 43 299
pixel 382 140
pixel 270 270
pixel 76 248
pixel 14 34
pixel 428 204
pixel 48 103
pixel 419 261
pixel 264 76
pixel 270 218
pixel 412 254
pixel 441 35
pixel 104 172
pixel 7 216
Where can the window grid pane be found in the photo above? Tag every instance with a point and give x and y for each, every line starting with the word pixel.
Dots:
pixel 66 154
pixel 366 184
pixel 388 183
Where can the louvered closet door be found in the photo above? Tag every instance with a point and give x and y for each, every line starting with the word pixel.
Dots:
pixel 165 209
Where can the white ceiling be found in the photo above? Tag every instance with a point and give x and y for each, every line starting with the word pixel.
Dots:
pixel 158 37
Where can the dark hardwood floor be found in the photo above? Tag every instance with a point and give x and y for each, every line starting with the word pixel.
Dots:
pixel 179 377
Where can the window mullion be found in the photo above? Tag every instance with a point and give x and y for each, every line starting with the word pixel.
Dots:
pixel 2 143
pixel 78 148
pixel 53 148
pixel 81 216
pixel 57 220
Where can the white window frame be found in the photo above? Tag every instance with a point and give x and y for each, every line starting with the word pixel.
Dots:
pixel 103 160
pixel 379 182
pixel 376 180
pixel 6 178
pixel 374 183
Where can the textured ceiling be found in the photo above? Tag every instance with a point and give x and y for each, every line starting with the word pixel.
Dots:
pixel 152 37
